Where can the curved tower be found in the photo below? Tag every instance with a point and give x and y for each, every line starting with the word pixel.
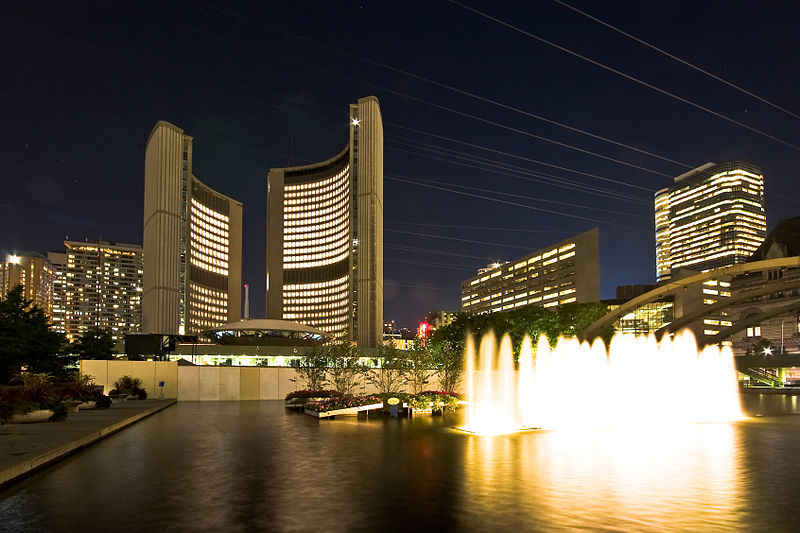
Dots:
pixel 325 236
pixel 192 242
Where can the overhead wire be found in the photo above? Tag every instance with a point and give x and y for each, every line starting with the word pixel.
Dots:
pixel 508 167
pixel 622 74
pixel 679 60
pixel 500 152
pixel 498 200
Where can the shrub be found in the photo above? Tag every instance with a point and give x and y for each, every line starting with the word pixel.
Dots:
pixel 103 401
pixel 310 393
pixel 80 387
pixel 342 402
pixel 130 386
pixel 6 409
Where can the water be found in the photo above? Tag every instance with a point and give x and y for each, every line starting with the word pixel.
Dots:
pixel 542 391
pixel 252 466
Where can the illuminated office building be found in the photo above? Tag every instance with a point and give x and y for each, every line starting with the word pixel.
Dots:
pixel 34 273
pixel 192 242
pixel 98 286
pixel 565 272
pixel 711 217
pixel 325 236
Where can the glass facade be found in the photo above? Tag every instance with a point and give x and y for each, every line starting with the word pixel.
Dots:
pixel 711 217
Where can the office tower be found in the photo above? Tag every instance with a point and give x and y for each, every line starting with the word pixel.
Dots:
pixel 34 273
pixel 565 272
pixel 710 217
pixel 98 286
pixel 192 242
pixel 325 236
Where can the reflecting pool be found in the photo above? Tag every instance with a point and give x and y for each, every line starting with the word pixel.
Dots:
pixel 253 466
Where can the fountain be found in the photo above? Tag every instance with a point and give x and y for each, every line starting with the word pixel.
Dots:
pixel 578 385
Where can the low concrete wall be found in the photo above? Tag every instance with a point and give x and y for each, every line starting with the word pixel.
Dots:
pixel 206 383
pixel 150 372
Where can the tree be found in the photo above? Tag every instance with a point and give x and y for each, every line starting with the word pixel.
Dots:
pixel 449 362
pixel 312 369
pixel 533 321
pixel 95 343
pixel 344 366
pixel 390 373
pixel 420 367
pixel 26 339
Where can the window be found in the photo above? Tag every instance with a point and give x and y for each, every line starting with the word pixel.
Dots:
pixel 754 331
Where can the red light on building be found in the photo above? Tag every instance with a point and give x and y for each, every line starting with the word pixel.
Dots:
pixel 423 331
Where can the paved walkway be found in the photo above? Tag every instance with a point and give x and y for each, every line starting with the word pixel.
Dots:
pixel 27 447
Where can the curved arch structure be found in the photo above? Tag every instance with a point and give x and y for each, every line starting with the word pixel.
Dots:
pixel 594 329
pixel 325 236
pixel 685 320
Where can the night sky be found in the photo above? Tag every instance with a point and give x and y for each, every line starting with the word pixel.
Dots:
pixel 471 174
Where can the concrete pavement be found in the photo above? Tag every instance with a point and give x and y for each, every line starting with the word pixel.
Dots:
pixel 28 447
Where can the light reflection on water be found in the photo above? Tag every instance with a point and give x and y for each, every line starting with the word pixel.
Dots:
pixel 682 478
pixel 251 466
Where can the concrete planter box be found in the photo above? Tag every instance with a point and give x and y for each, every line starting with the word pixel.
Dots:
pixel 72 405
pixel 300 403
pixel 85 406
pixel 349 411
pixel 40 415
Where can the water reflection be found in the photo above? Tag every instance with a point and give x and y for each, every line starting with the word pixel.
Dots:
pixel 251 466
pixel 684 478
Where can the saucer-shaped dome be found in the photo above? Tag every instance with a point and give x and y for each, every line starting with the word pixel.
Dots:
pixel 266 332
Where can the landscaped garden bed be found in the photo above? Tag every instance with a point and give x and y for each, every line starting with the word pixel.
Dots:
pixel 343 406
pixel 39 398
pixel 299 398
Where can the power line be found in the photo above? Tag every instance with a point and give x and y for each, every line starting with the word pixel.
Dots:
pixel 443 85
pixel 515 195
pixel 525 230
pixel 426 263
pixel 622 74
pixel 497 200
pixel 432 236
pixel 436 252
pixel 505 166
pixel 678 59
pixel 500 152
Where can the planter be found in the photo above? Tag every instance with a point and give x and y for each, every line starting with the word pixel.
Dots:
pixel 119 399
pixel 89 404
pixel 72 405
pixel 349 411
pixel 40 415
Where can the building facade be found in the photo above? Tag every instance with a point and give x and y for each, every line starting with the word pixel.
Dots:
pixel 325 236
pixel 565 272
pixel 710 217
pixel 98 286
pixel 34 273
pixel 192 242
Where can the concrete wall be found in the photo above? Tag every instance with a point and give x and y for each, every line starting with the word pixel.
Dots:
pixel 150 372
pixel 206 383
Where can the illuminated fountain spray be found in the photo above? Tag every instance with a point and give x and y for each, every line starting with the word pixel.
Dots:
pixel 576 385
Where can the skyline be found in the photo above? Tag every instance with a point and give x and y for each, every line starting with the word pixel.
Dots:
pixel 262 89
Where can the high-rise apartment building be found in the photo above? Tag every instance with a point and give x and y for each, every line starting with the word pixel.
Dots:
pixel 192 242
pixel 325 236
pixel 562 273
pixel 710 217
pixel 98 286
pixel 34 273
